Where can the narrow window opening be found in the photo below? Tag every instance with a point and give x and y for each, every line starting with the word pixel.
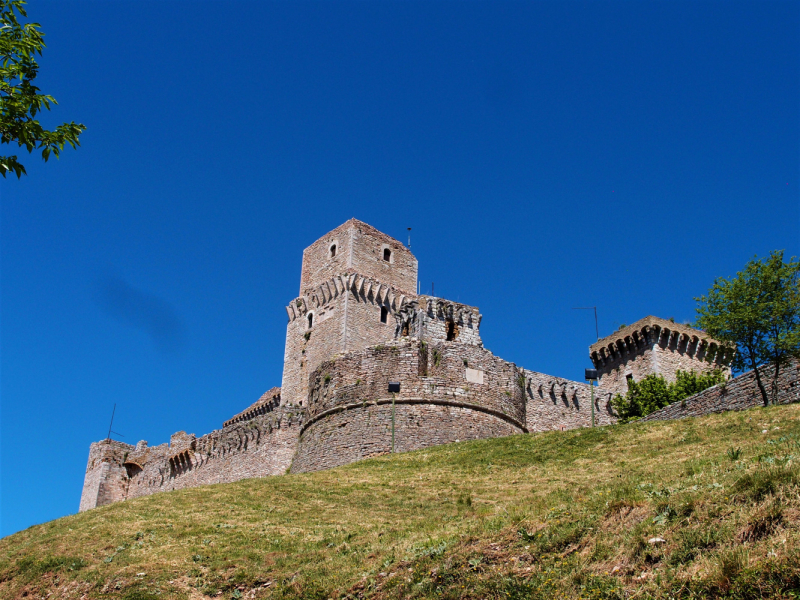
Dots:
pixel 310 320
pixel 333 250
pixel 629 378
pixel 387 254
pixel 384 314
pixel 451 329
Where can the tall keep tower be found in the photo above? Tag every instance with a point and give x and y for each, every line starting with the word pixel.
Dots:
pixel 353 284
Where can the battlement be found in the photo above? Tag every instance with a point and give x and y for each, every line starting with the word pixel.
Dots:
pixel 269 401
pixel 558 403
pixel 447 392
pixel 357 325
pixel 448 321
pixel 655 346
pixel 365 288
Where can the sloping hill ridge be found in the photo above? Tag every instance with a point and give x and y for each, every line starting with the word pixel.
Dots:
pixel 706 507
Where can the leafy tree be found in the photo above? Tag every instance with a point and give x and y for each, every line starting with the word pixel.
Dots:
pixel 20 100
pixel 758 311
pixel 653 392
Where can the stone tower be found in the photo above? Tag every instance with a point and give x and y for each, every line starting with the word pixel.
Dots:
pixel 653 345
pixel 354 282
pixel 371 367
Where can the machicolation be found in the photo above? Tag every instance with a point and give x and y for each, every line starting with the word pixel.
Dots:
pixel 359 324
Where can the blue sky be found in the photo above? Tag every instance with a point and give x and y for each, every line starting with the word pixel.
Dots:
pixel 546 154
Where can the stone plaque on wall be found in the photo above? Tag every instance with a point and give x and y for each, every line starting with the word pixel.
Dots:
pixel 474 375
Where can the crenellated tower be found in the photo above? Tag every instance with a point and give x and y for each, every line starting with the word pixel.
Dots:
pixel 372 367
pixel 355 281
pixel 358 289
pixel 655 346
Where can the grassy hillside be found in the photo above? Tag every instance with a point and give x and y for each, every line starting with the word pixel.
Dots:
pixel 693 508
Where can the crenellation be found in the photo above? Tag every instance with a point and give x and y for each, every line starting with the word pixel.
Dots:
pixel 358 324
pixel 658 346
pixel 557 403
pixel 269 401
pixel 434 379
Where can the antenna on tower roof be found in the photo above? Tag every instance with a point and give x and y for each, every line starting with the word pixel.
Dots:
pixel 409 238
pixel 108 437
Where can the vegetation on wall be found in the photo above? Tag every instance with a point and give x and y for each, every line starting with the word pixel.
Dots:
pixel 654 392
pixel 758 311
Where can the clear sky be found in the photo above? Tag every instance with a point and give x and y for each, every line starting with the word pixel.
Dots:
pixel 546 154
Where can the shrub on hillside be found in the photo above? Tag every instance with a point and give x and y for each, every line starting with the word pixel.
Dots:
pixel 654 392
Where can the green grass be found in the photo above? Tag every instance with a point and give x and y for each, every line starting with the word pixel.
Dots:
pixel 561 514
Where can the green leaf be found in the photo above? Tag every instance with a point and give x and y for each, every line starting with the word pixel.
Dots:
pixel 20 100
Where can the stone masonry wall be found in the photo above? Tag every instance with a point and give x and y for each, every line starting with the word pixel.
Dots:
pixel 319 266
pixel 469 393
pixel 306 347
pixel 105 474
pixel 444 371
pixel 367 258
pixel 439 317
pixel 359 249
pixel 636 364
pixel 261 446
pixel 556 403
pixel 269 401
pixel 364 326
pixel 345 316
pixel 655 346
pixel 366 431
pixel 738 393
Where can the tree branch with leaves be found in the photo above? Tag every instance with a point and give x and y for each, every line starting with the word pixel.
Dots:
pixel 20 100
pixel 758 312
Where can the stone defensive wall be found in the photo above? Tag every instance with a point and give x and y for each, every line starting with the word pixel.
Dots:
pixel 360 323
pixel 348 312
pixel 269 401
pixel 553 403
pixel 448 392
pixel 739 393
pixel 440 320
pixel 363 288
pixel 654 345
pixel 258 446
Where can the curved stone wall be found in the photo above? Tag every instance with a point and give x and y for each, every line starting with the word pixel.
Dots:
pixel 365 431
pixel 448 392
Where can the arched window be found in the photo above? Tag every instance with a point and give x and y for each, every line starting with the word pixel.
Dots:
pixel 310 320
pixel 387 254
pixel 333 251
pixel 132 469
pixel 384 314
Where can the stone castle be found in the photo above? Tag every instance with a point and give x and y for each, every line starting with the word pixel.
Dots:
pixel 359 329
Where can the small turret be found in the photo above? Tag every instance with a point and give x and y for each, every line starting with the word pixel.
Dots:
pixel 653 345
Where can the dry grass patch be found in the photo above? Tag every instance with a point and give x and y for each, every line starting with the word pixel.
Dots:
pixel 693 508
